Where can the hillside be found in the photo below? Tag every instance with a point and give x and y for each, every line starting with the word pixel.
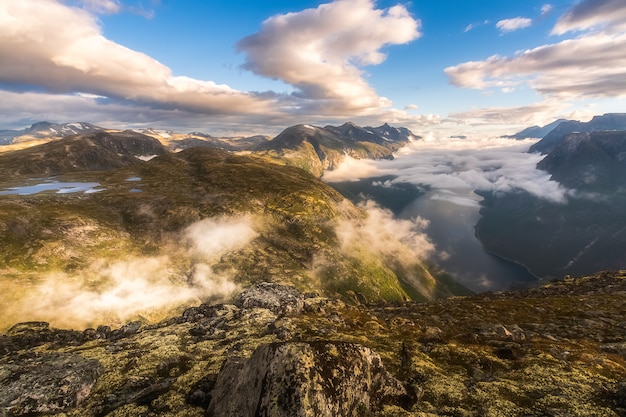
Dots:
pixel 199 224
pixel 558 350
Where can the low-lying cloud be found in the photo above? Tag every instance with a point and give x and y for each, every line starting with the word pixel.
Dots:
pixel 497 165
pixel 379 233
pixel 116 291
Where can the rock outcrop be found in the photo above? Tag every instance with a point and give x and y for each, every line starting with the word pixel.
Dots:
pixel 317 379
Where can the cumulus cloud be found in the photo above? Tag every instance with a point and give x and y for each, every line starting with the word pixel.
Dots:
pixel 320 51
pixel 116 291
pixel 511 25
pixel 76 57
pixel 590 65
pixel 498 165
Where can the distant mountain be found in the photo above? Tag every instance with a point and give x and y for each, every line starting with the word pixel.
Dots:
pixel 593 161
pixel 606 122
pixel 320 148
pixel 586 233
pixel 90 152
pixel 46 130
pixel 537 131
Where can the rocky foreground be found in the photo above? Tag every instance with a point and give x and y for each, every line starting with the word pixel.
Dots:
pixel 558 350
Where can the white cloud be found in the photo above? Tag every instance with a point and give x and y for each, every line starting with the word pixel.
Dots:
pixel 379 233
pixel 498 165
pixel 321 51
pixel 115 291
pixel 591 65
pixel 511 25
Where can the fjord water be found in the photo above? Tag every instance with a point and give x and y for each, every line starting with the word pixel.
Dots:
pixel 452 215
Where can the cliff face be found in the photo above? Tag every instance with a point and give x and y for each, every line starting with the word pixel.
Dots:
pixel 554 350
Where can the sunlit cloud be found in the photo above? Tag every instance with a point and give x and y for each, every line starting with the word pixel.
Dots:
pixel 591 65
pixel 511 25
pixel 321 51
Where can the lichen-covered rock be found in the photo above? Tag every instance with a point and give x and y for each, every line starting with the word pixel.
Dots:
pixel 280 299
pixel 46 383
pixel 305 380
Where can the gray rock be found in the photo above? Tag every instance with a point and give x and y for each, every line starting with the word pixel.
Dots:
pixel 46 383
pixel 321 379
pixel 280 299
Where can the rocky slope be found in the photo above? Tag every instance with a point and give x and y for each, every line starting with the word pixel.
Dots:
pixel 557 350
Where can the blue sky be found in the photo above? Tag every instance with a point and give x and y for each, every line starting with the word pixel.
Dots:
pixel 449 67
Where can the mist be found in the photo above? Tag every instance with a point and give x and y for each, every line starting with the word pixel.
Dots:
pixel 116 291
pixel 492 165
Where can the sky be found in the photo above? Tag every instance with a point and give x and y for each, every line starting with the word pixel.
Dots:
pixel 445 67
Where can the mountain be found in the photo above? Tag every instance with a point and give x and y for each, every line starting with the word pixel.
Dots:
pixel 96 151
pixel 584 234
pixel 537 131
pixel 46 130
pixel 556 350
pixel 606 122
pixel 89 210
pixel 594 161
pixel 316 149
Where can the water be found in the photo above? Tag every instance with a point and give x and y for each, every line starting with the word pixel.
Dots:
pixel 59 187
pixel 452 215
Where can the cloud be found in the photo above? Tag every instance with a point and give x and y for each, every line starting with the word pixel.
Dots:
pixel 497 165
pixel 590 65
pixel 546 9
pixel 321 51
pixel 511 25
pixel 593 14
pixel 116 291
pixel 101 6
pixel 379 233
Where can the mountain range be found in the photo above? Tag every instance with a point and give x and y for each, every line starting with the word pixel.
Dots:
pixel 207 282
pixel 582 235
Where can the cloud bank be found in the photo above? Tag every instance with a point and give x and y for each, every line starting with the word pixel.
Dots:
pixel 498 165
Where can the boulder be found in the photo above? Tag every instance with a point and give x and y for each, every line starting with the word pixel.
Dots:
pixel 321 379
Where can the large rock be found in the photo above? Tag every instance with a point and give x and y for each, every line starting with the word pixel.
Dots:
pixel 280 299
pixel 317 379
pixel 46 383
